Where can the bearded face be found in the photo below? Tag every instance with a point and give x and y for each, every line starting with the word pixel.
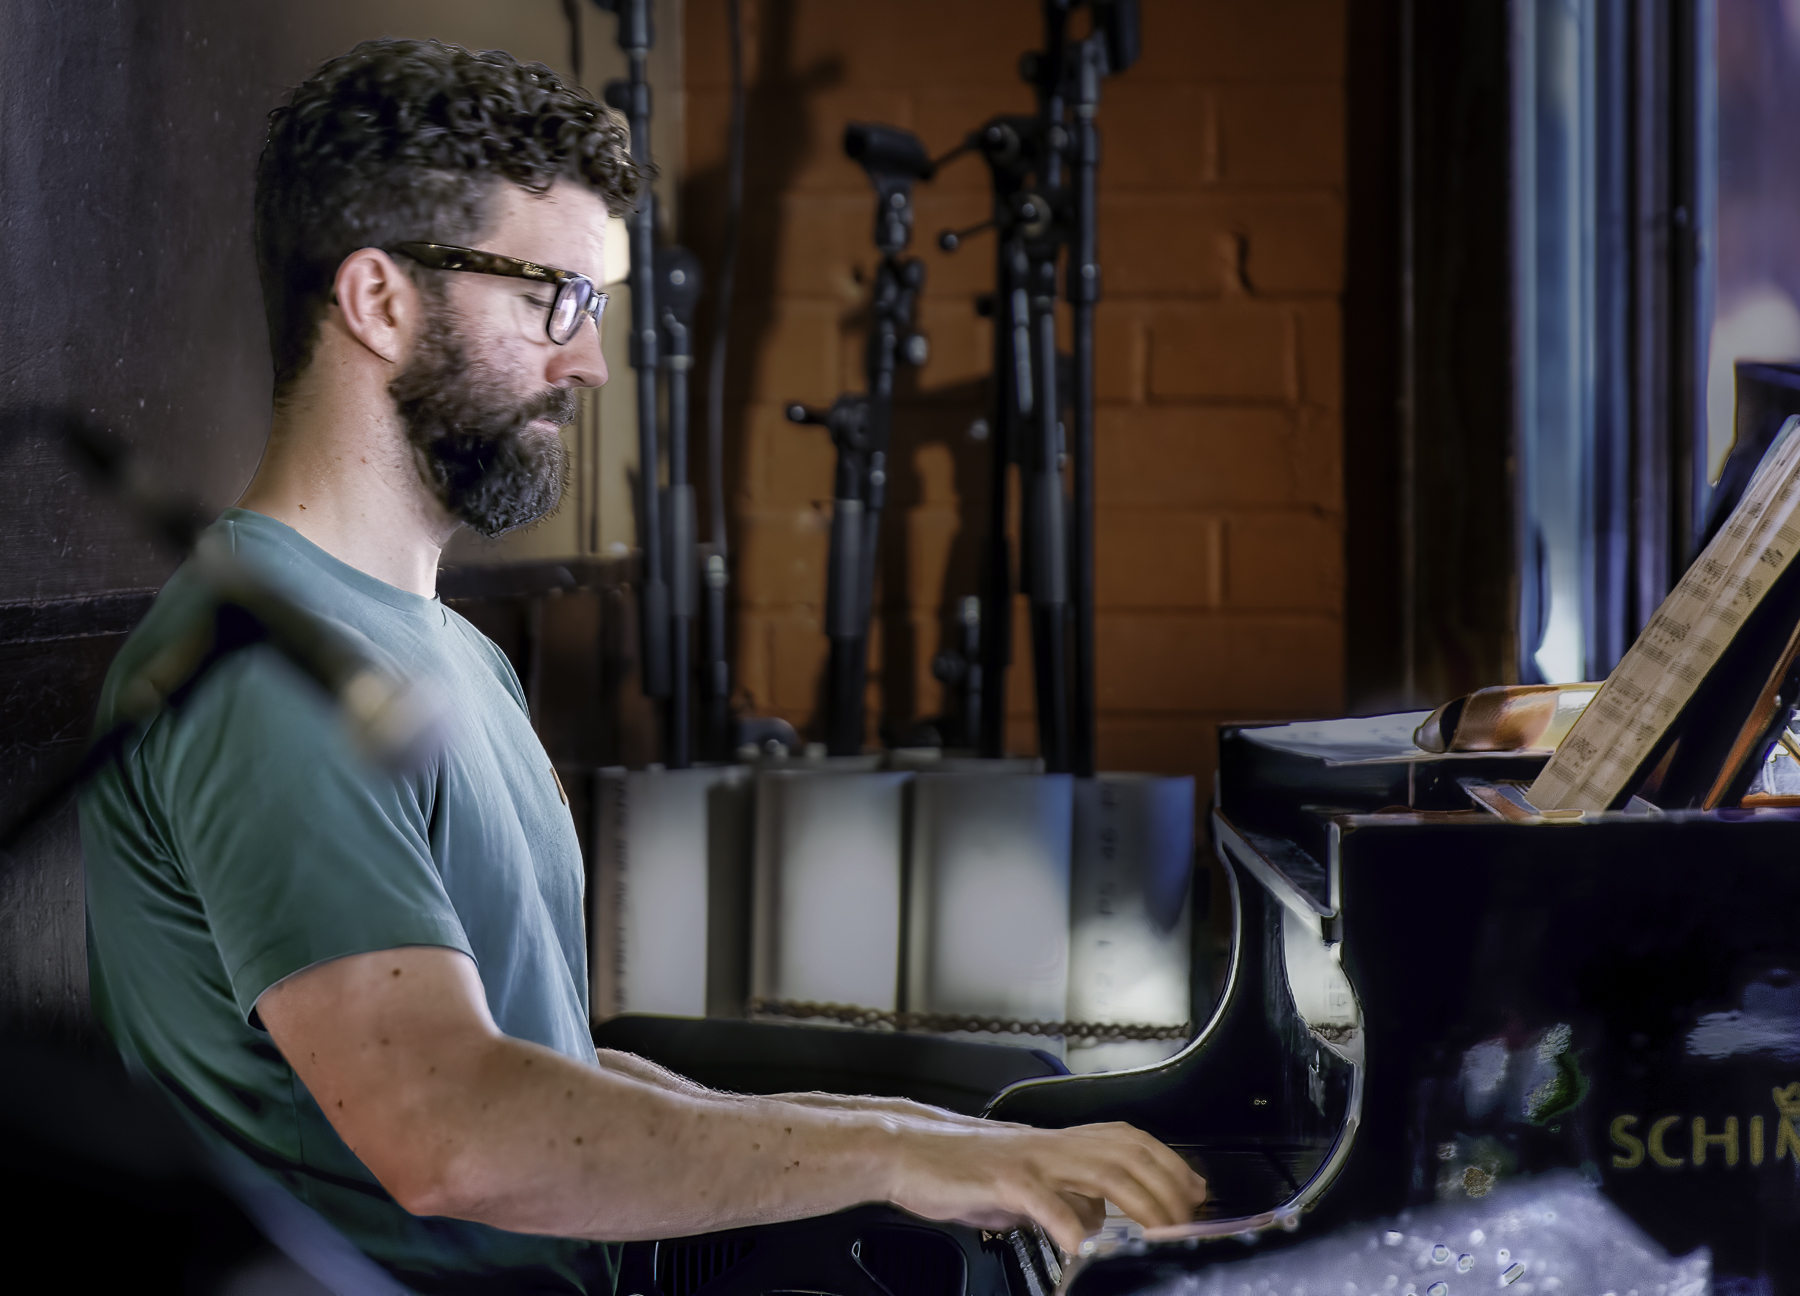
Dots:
pixel 471 432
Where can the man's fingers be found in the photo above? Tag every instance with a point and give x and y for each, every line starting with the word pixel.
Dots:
pixel 1057 1217
pixel 1157 1167
pixel 1118 1185
pixel 1091 1211
pixel 1158 1153
pixel 1127 1175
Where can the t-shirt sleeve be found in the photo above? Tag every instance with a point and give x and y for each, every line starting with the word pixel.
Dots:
pixel 299 849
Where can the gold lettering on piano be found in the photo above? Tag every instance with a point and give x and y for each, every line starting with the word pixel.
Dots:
pixel 1728 1140
pixel 1711 1138
pixel 1633 1148
pixel 1787 1137
pixel 1657 1154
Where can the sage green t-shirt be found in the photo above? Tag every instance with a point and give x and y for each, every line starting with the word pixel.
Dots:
pixel 242 839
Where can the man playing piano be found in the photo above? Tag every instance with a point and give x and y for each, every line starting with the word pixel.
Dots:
pixel 375 987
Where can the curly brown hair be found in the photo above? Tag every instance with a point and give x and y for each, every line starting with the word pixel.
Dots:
pixel 406 139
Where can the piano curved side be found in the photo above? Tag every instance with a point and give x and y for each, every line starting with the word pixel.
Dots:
pixel 1264 1104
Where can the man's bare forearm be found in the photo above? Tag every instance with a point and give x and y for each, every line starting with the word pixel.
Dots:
pixel 641 1068
pixel 650 1073
pixel 547 1145
pixel 456 1119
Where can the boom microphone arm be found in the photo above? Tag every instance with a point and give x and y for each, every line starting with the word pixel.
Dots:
pixel 394 723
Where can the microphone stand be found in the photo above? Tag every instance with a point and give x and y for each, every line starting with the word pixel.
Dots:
pixel 632 97
pixel 1083 292
pixel 1112 47
pixel 678 286
pixel 1004 143
pixel 715 673
pixel 860 427
pixel 1027 430
pixel 1057 561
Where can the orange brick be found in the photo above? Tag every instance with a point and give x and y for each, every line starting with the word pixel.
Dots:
pixel 1164 246
pixel 934 467
pixel 1157 135
pixel 931 42
pixel 931 535
pixel 1175 455
pixel 802 144
pixel 968 270
pixel 1158 559
pixel 796 358
pixel 1295 243
pixel 826 246
pixel 1319 460
pixel 933 458
pixel 1285 560
pixel 1282 134
pixel 794 140
pixel 1177 245
pixel 948 115
pixel 705 43
pixel 1229 40
pixel 1019 695
pixel 1161 745
pixel 790 464
pixel 781 558
pixel 1120 351
pixel 1243 667
pixel 1322 354
pixel 797 654
pixel 1227 350
pixel 962 344
pixel 705 126
pixel 751 672
pixel 853 359
pixel 930 697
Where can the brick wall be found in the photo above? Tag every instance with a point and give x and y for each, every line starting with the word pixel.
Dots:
pixel 1219 430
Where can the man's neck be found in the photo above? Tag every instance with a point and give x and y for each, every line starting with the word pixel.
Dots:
pixel 346 479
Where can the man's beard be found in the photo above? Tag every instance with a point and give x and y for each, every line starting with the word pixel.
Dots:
pixel 468 429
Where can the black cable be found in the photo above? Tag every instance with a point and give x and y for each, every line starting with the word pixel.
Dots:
pixel 728 254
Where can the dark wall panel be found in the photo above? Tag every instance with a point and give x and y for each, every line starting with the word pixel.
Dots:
pixel 128 294
pixel 128 290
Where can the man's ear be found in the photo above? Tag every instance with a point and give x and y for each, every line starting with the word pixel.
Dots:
pixel 378 303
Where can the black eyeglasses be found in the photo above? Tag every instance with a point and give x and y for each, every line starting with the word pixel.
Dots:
pixel 576 297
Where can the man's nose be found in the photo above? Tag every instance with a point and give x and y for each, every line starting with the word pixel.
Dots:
pixel 579 362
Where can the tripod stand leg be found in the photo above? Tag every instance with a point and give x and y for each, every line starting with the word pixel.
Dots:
pixel 848 673
pixel 845 626
pixel 1049 667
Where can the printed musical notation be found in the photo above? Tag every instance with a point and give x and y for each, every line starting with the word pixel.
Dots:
pixel 1648 689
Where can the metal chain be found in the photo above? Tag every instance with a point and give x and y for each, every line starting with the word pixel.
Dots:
pixel 875 1018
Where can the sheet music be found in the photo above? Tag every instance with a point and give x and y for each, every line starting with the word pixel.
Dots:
pixel 1649 687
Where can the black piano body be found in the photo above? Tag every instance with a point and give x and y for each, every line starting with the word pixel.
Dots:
pixel 1618 995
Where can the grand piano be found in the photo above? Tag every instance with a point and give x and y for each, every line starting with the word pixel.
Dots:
pixel 1423 1000
pixel 1432 992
